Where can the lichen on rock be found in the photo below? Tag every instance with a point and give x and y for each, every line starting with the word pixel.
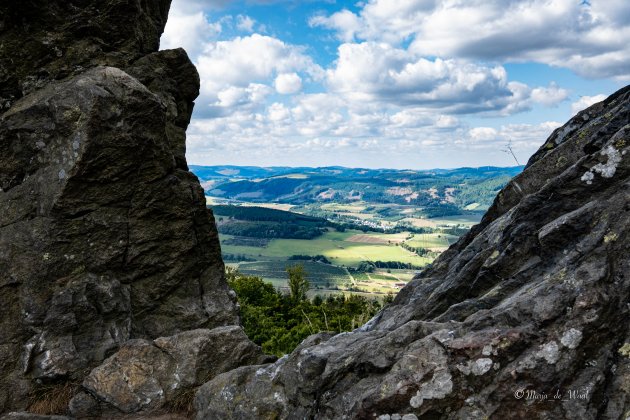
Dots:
pixel 438 387
pixel 571 338
pixel 607 169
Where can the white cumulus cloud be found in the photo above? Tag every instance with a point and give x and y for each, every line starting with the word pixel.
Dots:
pixel 188 31
pixel 591 38
pixel 346 23
pixel 245 23
pixel 408 78
pixel 288 83
pixel 584 102
pixel 371 71
pixel 248 61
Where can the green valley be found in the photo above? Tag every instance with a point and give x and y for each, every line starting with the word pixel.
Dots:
pixel 355 231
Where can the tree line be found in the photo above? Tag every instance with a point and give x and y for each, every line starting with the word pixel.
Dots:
pixel 279 321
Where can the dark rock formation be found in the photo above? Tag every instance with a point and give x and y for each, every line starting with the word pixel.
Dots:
pixel 534 300
pixel 104 233
pixel 41 41
pixel 29 416
pixel 144 375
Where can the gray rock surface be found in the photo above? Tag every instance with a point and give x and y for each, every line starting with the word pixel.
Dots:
pixel 30 416
pixel 144 375
pixel 104 233
pixel 533 302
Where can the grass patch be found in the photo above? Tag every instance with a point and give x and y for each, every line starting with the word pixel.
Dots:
pixel 403 275
pixel 183 401
pixel 379 238
pixel 361 277
pixel 334 246
pixel 247 241
pixel 466 220
pixel 347 208
pixel 377 276
pixel 352 254
pixel 51 399
pixel 431 240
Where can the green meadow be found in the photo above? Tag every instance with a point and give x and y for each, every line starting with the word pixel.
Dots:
pixel 335 246
pixel 431 240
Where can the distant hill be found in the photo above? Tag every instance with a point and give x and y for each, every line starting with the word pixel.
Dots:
pixel 450 190
pixel 265 223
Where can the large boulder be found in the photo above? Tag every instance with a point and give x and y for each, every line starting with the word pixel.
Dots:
pixel 145 376
pixel 527 316
pixel 104 233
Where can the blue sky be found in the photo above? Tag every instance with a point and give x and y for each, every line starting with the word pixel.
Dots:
pixel 393 83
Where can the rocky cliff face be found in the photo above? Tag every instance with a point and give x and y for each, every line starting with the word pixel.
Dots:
pixel 104 233
pixel 43 41
pixel 527 316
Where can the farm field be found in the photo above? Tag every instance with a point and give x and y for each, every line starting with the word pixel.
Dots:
pixel 275 206
pixel 419 223
pixel 351 254
pixel 319 274
pixel 390 214
pixel 345 250
pixel 465 220
pixel 379 238
pixel 355 230
pixel 325 278
pixel 431 241
pixel 213 201
pixel 336 246
pixel 347 208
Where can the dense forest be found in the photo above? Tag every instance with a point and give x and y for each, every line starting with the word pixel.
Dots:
pixel 270 230
pixel 264 214
pixel 265 223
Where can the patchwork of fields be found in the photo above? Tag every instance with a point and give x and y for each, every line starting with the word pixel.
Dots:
pixel 346 251
pixel 432 241
pixel 320 275
pixel 354 229
pixel 325 278
pixel 389 214
pixel 336 260
pixel 339 247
